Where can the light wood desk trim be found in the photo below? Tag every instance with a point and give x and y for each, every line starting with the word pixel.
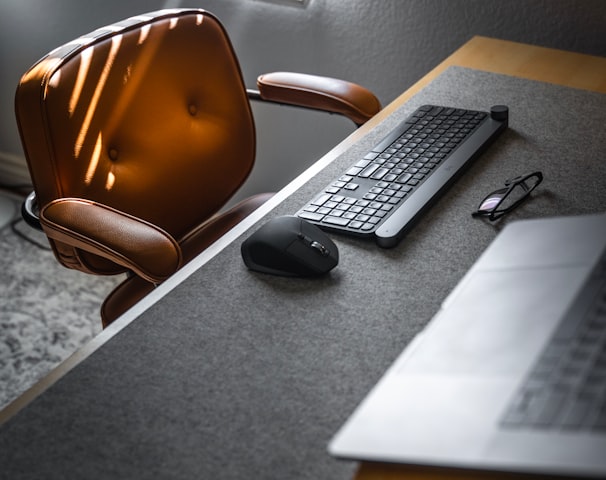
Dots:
pixel 568 69
pixel 519 60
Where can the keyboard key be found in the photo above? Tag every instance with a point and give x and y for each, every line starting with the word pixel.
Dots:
pixel 368 171
pixel 550 406
pixel 599 423
pixel 576 414
pixel 404 178
pixel 321 200
pixel 332 220
pixel 379 173
pixel 316 217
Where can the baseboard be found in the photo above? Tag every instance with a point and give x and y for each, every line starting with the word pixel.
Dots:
pixel 13 170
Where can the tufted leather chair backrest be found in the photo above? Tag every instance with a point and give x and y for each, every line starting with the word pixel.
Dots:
pixel 149 116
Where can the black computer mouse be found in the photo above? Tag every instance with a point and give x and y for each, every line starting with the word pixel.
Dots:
pixel 290 246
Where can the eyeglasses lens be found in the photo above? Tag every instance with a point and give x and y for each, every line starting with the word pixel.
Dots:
pixel 492 200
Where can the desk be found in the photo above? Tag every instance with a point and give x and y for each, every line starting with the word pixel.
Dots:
pixel 223 373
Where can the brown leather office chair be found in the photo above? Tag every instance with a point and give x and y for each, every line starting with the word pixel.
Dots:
pixel 137 134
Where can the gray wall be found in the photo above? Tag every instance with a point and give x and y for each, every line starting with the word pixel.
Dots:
pixel 385 45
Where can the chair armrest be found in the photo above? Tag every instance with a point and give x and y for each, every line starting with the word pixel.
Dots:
pixel 147 250
pixel 319 93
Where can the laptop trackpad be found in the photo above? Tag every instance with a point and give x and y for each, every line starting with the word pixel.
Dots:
pixel 496 322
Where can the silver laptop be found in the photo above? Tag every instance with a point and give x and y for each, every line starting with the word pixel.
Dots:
pixel 510 374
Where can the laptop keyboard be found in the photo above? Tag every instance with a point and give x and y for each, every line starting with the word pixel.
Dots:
pixel 382 193
pixel 566 388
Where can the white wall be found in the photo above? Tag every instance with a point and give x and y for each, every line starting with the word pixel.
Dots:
pixel 385 45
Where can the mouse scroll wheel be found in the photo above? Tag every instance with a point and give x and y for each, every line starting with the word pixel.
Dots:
pixel 322 250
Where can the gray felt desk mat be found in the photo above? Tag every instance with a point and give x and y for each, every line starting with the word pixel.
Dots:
pixel 241 375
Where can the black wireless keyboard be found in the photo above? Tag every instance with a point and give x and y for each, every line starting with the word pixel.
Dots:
pixel 382 194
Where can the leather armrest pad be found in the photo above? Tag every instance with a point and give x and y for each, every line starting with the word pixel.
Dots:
pixel 138 245
pixel 322 93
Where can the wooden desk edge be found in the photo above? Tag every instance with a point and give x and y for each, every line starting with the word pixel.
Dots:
pixel 384 471
pixel 531 62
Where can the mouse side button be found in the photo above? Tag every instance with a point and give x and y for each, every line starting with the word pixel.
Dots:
pixel 322 250
pixel 311 262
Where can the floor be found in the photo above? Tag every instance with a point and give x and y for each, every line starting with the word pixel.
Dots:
pixel 47 311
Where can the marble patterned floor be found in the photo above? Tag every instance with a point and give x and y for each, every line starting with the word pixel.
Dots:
pixel 47 311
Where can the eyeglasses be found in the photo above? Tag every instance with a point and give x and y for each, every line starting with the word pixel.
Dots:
pixel 504 200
